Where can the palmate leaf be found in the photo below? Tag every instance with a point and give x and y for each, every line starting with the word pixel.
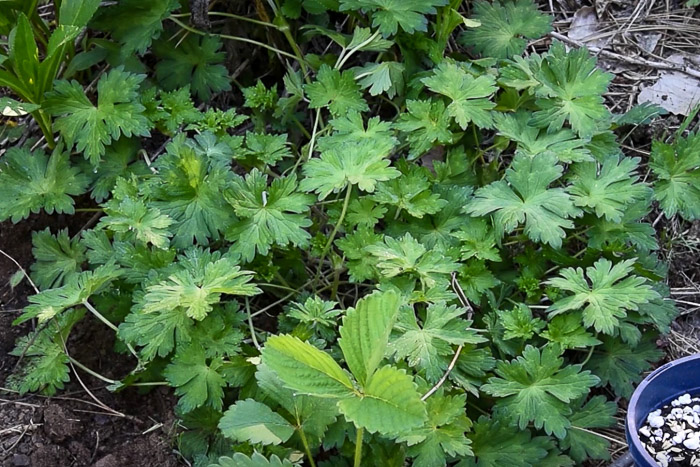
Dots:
pixel 198 381
pixel 351 128
pixel 195 61
pixel 336 90
pixel 410 192
pixel 429 346
pixel 505 27
pixel 92 127
pixel 407 256
pixel 135 23
pixel 531 141
pixel 572 89
pixel 566 331
pixel 612 291
pixel 364 334
pixel 524 196
pixel 469 94
pixel 620 365
pixel 425 123
pixel 387 77
pixel 442 435
pixel 388 15
pixel 606 189
pixel 30 182
pixel 389 403
pixel 188 188
pixel 274 215
pixel 197 284
pixel 253 421
pixel 582 445
pixel 362 164
pixel 58 258
pixel 496 443
pixel 135 220
pixel 157 333
pixel 305 368
pixel 535 388
pixel 677 168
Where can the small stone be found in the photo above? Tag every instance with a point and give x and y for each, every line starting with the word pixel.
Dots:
pixel 677 413
pixel 20 460
pixel 655 413
pixel 655 421
pixel 696 408
pixel 645 431
pixel 685 399
pixel 679 438
pixel 692 442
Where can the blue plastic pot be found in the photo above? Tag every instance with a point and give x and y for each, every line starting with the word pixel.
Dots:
pixel 658 389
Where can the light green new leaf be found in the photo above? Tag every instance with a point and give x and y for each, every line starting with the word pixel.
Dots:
pixel 608 188
pixel 252 421
pixel 197 284
pixel 677 168
pixel 389 403
pixel 408 256
pixel 524 196
pixel 505 27
pixel 381 77
pixel 305 368
pixel 612 291
pixel 30 182
pixel 535 388
pixel 362 164
pixel 469 95
pixel 133 218
pixel 572 89
pixel 364 334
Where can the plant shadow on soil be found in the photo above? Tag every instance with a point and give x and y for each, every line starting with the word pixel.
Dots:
pixel 71 429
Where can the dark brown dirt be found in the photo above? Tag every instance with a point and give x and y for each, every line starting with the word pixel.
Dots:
pixel 71 429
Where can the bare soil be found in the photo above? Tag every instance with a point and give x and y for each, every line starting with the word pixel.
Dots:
pixel 72 429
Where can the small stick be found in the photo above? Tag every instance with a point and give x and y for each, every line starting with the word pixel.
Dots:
pixel 470 312
pixel 666 65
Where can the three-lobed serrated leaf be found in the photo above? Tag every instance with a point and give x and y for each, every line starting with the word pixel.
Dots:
pixel 305 368
pixel 253 421
pixel 388 404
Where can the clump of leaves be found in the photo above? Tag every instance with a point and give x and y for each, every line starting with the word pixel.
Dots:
pixel 325 271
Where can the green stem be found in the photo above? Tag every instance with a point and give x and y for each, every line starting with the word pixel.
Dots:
pixel 250 325
pixel 305 442
pixel 344 210
pixel 358 447
pixel 588 357
pixel 91 372
pixel 232 38
pixel 231 15
pixel 109 324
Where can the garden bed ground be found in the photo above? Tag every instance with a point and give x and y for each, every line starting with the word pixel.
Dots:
pixel 77 427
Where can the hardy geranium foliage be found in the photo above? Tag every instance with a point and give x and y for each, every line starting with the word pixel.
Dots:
pixel 385 251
